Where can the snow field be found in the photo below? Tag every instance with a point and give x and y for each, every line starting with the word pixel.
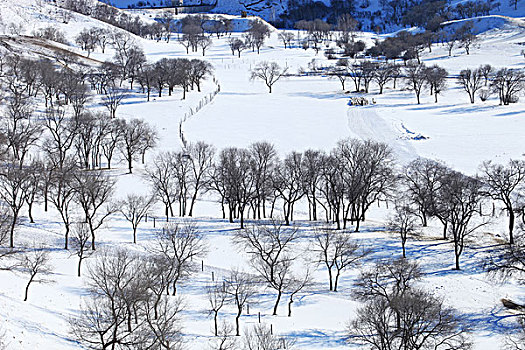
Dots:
pixel 301 113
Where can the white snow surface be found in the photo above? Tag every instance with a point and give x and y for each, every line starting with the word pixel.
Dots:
pixel 301 113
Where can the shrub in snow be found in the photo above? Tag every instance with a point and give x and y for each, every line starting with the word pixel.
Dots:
pixel 484 94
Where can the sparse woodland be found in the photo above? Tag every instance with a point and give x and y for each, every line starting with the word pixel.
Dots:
pixel 65 145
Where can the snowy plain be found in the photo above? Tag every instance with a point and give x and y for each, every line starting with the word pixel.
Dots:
pixel 302 112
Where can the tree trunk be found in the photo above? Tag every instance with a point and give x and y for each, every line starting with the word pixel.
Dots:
pixel 279 294
pixel 330 279
pixel 215 323
pixel 336 282
pixel 30 212
pixel 27 287
pixel 66 237
pixel 237 333
pixel 511 226
pixel 290 302
pixel 130 160
pixel 12 233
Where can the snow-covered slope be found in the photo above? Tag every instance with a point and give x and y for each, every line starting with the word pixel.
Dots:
pixel 272 9
pixel 301 113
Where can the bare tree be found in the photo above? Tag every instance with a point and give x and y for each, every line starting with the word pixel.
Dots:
pixel 112 99
pixel 337 251
pixel 451 42
pixel 261 337
pixel 93 193
pixel 112 139
pixel 384 74
pixel 270 247
pixel 422 179
pixel 13 181
pixel 62 132
pixel 415 77
pixel 162 313
pixel 470 81
pixel 5 252
pixel 134 208
pixel 340 71
pixel 135 134
pixel 166 19
pixel 286 38
pixel 224 339
pixel 504 183
pixel 416 320
pixel 466 36
pixel 204 43
pixel 87 39
pixel 436 79
pixel 236 44
pixel 297 284
pixel 366 171
pixel 201 161
pixel 264 162
pixel 313 163
pixel 84 141
pixel 35 264
pixel 180 246
pixel 486 70
pixel 161 175
pixel 515 340
pixel 217 298
pixel 459 200
pixel 508 83
pixel 80 244
pixel 269 72
pixel 241 290
pixel 258 33
pixel 198 71
pixel 234 180
pixel 368 72
pixel 403 222
pixel 388 279
pixel 33 190
pixel 288 183
pixel 119 310
pixel 62 192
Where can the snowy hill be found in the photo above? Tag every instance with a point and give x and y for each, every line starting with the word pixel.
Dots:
pixel 368 12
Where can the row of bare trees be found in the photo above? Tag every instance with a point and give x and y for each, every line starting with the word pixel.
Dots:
pixel 429 189
pixel 415 76
pixel 344 183
pixel 129 64
pixel 194 36
pixel 506 83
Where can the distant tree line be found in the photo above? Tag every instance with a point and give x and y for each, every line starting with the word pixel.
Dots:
pixel 422 13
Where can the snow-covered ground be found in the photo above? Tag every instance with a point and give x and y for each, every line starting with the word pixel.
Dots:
pixel 301 113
